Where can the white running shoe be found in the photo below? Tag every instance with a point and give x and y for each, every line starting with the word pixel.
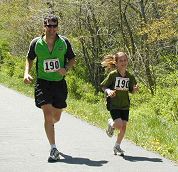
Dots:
pixel 54 155
pixel 117 149
pixel 110 129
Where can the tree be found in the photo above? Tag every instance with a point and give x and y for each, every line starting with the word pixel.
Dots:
pixel 146 30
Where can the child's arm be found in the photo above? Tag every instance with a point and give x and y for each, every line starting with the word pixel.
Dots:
pixel 135 89
pixel 109 92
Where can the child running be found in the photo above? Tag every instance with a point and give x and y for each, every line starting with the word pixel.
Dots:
pixel 117 86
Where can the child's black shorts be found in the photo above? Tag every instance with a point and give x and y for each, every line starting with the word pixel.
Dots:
pixel 118 113
pixel 51 92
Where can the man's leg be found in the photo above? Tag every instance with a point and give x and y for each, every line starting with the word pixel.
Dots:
pixel 51 115
pixel 56 114
pixel 48 122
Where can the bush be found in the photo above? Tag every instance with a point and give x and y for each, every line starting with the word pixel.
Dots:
pixel 80 89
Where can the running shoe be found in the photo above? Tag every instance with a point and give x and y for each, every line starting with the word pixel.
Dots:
pixel 117 149
pixel 110 129
pixel 54 155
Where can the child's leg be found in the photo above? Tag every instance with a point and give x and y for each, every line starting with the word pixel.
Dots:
pixel 121 134
pixel 121 126
pixel 110 129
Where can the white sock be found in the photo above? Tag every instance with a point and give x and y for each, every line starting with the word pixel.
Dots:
pixel 117 144
pixel 111 123
pixel 53 146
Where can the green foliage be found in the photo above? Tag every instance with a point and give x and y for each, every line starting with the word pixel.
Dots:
pixel 154 119
pixel 12 66
pixel 92 35
pixel 94 113
pixel 165 104
pixel 80 89
pixel 165 101
pixel 138 98
pixel 153 131
pixel 4 48
pixel 167 64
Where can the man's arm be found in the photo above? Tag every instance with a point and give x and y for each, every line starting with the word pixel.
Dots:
pixel 70 59
pixel 27 77
pixel 68 66
pixel 71 63
pixel 31 55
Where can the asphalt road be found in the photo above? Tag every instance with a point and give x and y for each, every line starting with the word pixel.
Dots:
pixel 83 147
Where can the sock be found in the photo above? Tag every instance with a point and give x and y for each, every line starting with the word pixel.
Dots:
pixel 116 144
pixel 53 146
pixel 111 123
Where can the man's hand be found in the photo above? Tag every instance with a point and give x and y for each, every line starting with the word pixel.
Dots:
pixel 27 79
pixel 62 71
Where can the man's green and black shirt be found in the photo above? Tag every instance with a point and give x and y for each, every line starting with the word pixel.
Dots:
pixel 48 62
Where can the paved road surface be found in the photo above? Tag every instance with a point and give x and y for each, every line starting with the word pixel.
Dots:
pixel 83 147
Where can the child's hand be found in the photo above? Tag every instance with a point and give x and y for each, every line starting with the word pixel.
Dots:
pixel 135 88
pixel 110 93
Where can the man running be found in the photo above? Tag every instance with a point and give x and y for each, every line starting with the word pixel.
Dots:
pixel 55 58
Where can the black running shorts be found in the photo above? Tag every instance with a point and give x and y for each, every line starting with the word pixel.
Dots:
pixel 51 92
pixel 118 113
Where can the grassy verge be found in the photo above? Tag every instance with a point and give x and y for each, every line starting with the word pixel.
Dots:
pixel 154 133
pixel 145 128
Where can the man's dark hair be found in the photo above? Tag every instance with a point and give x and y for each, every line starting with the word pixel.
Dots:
pixel 52 18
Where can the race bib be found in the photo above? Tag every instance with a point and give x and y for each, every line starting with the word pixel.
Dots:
pixel 122 84
pixel 51 65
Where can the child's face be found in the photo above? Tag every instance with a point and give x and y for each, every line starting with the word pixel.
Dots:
pixel 122 62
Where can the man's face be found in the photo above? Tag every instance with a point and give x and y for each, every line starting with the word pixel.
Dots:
pixel 51 28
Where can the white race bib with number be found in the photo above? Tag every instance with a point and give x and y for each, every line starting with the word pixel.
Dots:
pixel 51 65
pixel 122 84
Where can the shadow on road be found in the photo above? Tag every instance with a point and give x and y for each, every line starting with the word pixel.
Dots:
pixel 139 158
pixel 76 160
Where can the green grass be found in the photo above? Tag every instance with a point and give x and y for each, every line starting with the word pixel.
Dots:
pixel 16 84
pixel 145 128
pixel 95 114
pixel 154 133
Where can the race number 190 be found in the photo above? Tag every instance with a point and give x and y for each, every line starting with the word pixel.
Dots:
pixel 51 65
pixel 122 83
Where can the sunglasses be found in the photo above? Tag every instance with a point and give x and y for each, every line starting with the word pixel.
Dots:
pixel 50 26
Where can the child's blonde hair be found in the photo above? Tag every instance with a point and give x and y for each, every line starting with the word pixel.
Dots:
pixel 120 54
pixel 109 61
